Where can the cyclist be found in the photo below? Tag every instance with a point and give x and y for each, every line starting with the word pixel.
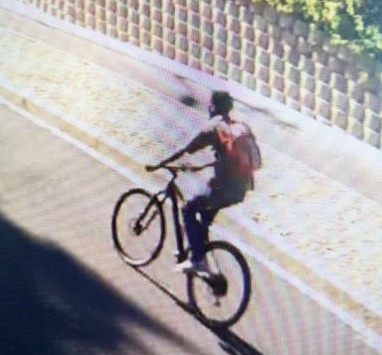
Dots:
pixel 237 156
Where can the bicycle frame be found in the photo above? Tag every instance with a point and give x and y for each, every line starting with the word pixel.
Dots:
pixel 214 276
pixel 172 192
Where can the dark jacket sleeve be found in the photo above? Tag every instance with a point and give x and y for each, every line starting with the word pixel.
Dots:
pixel 202 140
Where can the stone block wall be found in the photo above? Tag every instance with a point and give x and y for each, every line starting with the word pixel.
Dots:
pixel 275 54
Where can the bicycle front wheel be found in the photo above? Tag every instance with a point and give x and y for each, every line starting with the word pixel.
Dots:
pixel 221 296
pixel 138 227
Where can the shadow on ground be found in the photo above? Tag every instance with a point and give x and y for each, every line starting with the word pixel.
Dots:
pixel 51 304
pixel 229 342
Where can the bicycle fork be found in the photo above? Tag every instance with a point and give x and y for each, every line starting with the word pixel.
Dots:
pixel 180 253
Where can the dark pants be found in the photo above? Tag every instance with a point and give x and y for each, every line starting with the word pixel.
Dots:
pixel 199 213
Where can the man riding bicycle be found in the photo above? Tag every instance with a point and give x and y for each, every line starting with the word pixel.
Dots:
pixel 237 156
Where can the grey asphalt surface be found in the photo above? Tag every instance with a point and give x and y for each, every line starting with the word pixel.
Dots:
pixel 63 289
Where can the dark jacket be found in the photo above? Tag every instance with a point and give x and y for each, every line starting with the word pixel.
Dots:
pixel 218 136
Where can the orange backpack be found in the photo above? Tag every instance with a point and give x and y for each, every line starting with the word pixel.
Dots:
pixel 240 147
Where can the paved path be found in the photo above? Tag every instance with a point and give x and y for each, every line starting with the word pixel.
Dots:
pixel 322 222
pixel 63 290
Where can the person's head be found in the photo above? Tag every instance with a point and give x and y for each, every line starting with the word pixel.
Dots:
pixel 221 103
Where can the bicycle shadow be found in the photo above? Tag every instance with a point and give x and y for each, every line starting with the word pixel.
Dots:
pixel 230 342
pixel 52 304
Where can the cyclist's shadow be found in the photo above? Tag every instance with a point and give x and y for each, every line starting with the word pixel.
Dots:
pixel 230 342
pixel 51 304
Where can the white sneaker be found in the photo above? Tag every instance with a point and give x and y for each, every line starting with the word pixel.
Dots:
pixel 189 266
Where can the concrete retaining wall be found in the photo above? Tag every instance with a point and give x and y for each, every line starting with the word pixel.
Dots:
pixel 272 53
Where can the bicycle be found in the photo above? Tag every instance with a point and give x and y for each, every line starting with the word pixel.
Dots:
pixel 129 231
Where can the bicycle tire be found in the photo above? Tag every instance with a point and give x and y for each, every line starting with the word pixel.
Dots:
pixel 245 280
pixel 124 243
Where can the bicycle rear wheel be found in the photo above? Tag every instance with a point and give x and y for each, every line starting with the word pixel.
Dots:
pixel 138 227
pixel 221 297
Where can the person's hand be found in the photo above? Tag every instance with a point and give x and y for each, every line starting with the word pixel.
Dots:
pixel 151 168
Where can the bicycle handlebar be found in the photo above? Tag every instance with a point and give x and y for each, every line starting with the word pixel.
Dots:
pixel 173 169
